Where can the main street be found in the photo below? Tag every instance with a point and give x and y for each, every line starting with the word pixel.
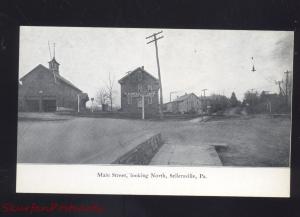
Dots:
pixel 250 140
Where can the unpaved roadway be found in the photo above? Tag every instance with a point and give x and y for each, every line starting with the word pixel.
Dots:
pixel 251 140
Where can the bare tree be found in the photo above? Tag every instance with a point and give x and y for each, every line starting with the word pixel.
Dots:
pixel 102 96
pixel 109 88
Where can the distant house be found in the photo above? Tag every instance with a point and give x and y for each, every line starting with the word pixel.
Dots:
pixel 134 85
pixel 170 107
pixel 44 89
pixel 188 103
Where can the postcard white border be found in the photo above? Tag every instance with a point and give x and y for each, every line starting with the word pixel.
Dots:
pixel 219 181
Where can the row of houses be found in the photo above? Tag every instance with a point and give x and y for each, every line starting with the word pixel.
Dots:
pixel 138 83
pixel 46 90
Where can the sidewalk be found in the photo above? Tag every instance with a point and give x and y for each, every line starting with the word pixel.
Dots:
pixel 41 116
pixel 187 155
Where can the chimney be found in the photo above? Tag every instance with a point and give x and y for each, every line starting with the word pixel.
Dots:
pixel 142 67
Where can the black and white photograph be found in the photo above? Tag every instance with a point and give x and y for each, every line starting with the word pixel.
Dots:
pixel 155 97
pixel 161 97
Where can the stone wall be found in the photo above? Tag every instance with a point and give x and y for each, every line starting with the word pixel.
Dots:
pixel 143 152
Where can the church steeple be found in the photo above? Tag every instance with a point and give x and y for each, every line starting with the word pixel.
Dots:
pixel 53 64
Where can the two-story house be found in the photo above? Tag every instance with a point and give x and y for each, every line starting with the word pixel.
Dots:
pixel 134 86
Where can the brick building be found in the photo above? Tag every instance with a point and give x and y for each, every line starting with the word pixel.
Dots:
pixel 44 89
pixel 135 84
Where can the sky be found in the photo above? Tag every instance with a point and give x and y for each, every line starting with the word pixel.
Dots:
pixel 190 60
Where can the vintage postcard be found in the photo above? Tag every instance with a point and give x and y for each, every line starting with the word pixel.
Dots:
pixel 154 111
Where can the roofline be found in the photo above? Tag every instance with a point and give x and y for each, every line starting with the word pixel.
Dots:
pixel 195 95
pixel 187 94
pixel 174 101
pixel 39 65
pixel 59 77
pixel 121 80
pixel 71 85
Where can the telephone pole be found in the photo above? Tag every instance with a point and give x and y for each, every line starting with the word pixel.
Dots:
pixel 286 86
pixel 279 85
pixel 269 103
pixel 251 97
pixel 205 104
pixel 204 92
pixel 155 38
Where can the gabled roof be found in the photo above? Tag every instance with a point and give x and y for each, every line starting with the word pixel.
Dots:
pixel 137 69
pixel 184 97
pixel 66 81
pixel 38 66
pixel 57 76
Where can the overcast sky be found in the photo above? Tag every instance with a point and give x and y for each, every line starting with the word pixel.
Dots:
pixel 190 60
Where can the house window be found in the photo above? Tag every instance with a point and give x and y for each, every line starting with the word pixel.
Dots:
pixel 150 100
pixel 129 99
pixel 150 88
pixel 139 88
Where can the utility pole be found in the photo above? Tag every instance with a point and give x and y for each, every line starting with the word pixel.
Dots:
pixel 143 107
pixel 270 106
pixel 92 106
pixel 78 103
pixel 204 91
pixel 279 85
pixel 205 104
pixel 286 86
pixel 251 98
pixel 269 103
pixel 155 39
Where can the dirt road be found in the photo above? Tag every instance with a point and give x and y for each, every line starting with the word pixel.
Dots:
pixel 235 111
pixel 251 140
pixel 73 140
